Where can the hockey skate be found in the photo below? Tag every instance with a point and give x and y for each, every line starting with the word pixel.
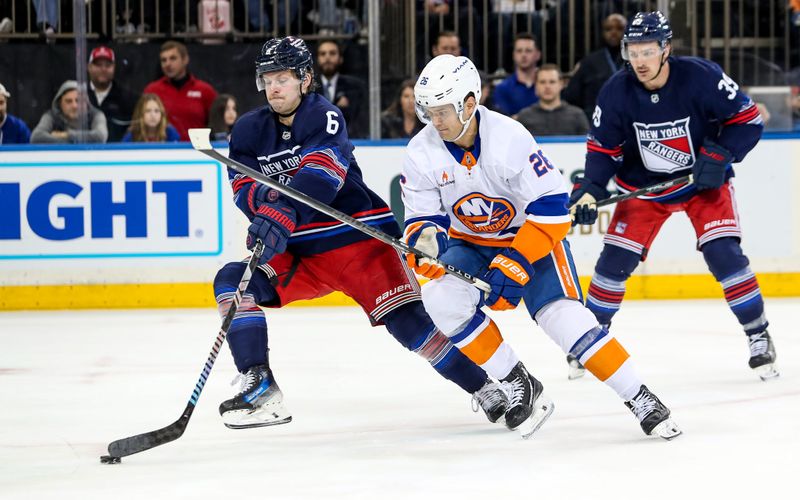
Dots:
pixel 653 415
pixel 493 400
pixel 762 355
pixel 258 404
pixel 576 369
pixel 528 408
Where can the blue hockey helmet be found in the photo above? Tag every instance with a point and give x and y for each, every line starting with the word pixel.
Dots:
pixel 647 27
pixel 280 54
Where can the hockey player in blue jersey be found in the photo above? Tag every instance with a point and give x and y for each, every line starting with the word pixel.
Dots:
pixel 663 118
pixel 300 140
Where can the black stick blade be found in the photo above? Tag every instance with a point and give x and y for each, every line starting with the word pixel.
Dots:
pixel 141 442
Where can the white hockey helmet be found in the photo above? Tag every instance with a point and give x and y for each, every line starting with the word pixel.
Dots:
pixel 447 79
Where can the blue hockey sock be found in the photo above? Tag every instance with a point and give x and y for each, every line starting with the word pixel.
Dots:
pixel 607 287
pixel 247 334
pixel 731 268
pixel 413 328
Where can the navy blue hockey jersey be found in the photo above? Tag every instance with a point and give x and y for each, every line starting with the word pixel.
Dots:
pixel 644 137
pixel 315 157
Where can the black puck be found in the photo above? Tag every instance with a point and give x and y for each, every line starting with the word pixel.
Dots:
pixel 108 459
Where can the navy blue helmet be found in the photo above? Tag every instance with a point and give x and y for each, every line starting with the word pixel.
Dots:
pixel 279 54
pixel 647 27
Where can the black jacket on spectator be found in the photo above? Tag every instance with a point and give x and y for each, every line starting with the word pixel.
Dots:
pixel 594 70
pixel 356 112
pixel 118 108
pixel 392 127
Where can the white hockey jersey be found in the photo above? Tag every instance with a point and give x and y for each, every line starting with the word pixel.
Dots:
pixel 486 194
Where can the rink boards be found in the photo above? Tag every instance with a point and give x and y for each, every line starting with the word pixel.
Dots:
pixel 149 226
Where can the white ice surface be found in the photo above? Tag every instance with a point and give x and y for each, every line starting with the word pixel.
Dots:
pixel 374 421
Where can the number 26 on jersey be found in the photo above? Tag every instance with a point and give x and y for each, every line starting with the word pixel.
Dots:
pixel 541 165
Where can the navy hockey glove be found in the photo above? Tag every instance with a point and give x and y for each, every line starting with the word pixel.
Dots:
pixel 710 165
pixel 273 223
pixel 508 274
pixel 583 201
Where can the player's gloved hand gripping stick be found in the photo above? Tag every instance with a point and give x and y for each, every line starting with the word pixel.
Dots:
pixel 584 200
pixel 200 141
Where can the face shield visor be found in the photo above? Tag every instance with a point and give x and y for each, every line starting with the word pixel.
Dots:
pixel 641 50
pixel 439 113
pixel 281 78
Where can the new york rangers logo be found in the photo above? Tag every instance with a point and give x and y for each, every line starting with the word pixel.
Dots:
pixel 482 214
pixel 665 147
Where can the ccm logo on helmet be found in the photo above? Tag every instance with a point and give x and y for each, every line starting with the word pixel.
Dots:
pixel 482 214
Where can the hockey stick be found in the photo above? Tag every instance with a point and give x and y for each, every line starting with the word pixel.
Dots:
pixel 200 141
pixel 141 442
pixel 648 189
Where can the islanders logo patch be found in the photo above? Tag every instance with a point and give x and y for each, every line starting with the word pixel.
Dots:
pixel 665 147
pixel 482 214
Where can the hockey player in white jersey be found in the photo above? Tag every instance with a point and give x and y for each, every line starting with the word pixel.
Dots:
pixel 481 195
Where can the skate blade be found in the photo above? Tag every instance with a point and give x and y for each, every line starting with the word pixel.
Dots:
pixel 542 409
pixel 667 429
pixel 254 424
pixel 267 415
pixel 767 372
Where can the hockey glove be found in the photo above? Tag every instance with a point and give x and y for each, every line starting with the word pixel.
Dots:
pixel 508 274
pixel 273 223
pixel 431 239
pixel 709 167
pixel 583 201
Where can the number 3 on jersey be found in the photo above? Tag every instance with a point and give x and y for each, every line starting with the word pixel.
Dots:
pixel 541 165
pixel 333 125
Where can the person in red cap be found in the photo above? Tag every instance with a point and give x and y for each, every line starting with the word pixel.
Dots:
pixel 115 101
pixel 186 98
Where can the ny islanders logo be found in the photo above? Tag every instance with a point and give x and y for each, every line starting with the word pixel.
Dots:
pixel 665 147
pixel 482 214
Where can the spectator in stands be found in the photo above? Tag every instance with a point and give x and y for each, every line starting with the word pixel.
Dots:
pixel 346 92
pixel 437 15
pixel 149 123
pixel 12 129
pixel 446 42
pixel 115 101
pixel 262 18
pixel 61 123
pixel 222 116
pixel 518 90
pixel 551 116
pixel 186 98
pixel 46 16
pixel 399 120
pixel 597 67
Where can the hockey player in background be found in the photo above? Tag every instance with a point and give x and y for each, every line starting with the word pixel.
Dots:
pixel 481 195
pixel 663 118
pixel 300 140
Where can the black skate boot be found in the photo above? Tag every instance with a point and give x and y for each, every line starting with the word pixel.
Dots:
pixel 528 408
pixel 576 369
pixel 258 404
pixel 492 399
pixel 762 355
pixel 653 415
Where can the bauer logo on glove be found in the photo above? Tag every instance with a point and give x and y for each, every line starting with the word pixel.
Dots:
pixel 508 274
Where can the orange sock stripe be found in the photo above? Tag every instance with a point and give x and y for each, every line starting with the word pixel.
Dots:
pixel 565 271
pixel 483 347
pixel 607 360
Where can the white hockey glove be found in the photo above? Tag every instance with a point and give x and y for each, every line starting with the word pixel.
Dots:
pixel 431 239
